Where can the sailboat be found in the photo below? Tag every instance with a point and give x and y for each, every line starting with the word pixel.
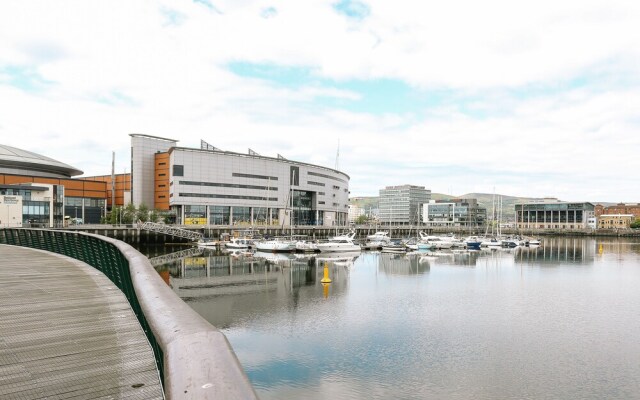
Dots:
pixel 281 244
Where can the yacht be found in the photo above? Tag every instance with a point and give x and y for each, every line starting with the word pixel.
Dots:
pixel 275 244
pixel 306 246
pixel 341 243
pixel 473 242
pixel 379 236
pixel 238 243
pixel 438 242
pixel 376 241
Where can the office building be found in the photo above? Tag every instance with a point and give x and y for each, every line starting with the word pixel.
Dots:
pixel 209 186
pixel 402 205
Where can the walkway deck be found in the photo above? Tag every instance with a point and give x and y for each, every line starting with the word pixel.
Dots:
pixel 67 332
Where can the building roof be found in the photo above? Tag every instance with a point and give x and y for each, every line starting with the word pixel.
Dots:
pixel 14 158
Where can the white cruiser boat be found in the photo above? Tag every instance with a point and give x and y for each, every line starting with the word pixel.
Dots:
pixel 379 236
pixel 341 243
pixel 306 246
pixel 238 243
pixel 438 242
pixel 276 244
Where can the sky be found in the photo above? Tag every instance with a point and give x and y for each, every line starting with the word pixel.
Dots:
pixel 524 98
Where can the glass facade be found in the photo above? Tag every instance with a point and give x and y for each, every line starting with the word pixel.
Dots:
pixel 303 213
pixel 401 205
pixel 242 215
pixel 219 215
pixel 554 215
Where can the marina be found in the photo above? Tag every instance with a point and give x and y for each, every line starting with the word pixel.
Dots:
pixel 543 321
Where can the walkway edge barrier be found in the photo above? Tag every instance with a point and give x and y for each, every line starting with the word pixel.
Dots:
pixel 198 360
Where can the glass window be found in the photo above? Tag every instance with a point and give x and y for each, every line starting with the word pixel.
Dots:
pixel 241 215
pixel 178 170
pixel 219 215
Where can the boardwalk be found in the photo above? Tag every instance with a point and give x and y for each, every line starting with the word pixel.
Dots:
pixel 66 332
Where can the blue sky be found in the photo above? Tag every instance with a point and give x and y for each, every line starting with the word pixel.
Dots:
pixel 527 99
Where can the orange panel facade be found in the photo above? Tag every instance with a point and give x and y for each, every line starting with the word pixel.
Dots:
pixel 122 185
pixel 161 184
pixel 72 187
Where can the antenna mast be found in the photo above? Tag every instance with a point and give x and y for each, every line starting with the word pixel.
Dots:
pixel 338 157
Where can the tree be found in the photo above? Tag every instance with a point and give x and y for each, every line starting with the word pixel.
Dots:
pixel 143 213
pixel 362 219
pixel 636 224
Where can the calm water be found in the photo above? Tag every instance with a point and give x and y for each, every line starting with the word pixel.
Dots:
pixel 561 321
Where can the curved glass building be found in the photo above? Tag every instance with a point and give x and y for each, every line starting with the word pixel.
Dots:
pixel 208 186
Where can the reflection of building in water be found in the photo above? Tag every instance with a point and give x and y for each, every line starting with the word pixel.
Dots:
pixel 224 289
pixel 561 250
pixel 402 264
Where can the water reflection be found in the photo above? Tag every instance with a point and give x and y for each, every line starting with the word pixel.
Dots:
pixel 403 264
pixel 505 323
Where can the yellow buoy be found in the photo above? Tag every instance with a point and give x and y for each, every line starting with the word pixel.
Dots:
pixel 325 289
pixel 326 278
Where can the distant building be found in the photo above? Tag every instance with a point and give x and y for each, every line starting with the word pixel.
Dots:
pixel 620 208
pixel 455 212
pixel 48 191
pixel 615 221
pixel 354 212
pixel 553 214
pixel 401 205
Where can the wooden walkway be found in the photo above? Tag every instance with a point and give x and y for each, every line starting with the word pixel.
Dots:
pixel 67 332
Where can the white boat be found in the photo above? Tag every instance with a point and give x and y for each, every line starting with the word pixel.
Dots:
pixel 491 242
pixel 238 243
pixel 341 243
pixel 276 244
pixel 376 241
pixel 394 247
pixel 379 236
pixel 306 246
pixel 438 242
pixel 208 244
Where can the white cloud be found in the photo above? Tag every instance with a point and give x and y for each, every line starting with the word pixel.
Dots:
pixel 119 67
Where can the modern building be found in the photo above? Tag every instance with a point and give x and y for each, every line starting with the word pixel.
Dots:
pixel 209 186
pixel 354 212
pixel 454 213
pixel 615 221
pixel 48 192
pixel 401 205
pixel 118 192
pixel 553 214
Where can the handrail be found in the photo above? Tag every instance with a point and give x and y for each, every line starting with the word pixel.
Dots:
pixel 194 358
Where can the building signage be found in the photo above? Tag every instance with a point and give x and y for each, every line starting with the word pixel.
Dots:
pixel 10 199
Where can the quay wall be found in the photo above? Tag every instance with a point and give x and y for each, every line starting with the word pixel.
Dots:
pixel 131 234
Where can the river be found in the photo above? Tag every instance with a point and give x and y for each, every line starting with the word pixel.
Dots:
pixel 559 321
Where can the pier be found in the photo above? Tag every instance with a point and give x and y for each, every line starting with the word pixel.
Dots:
pixel 189 357
pixel 67 332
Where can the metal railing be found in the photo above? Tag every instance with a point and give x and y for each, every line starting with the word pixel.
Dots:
pixel 195 360
pixel 178 255
pixel 170 230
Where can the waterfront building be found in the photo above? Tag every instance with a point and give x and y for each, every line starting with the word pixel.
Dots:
pixel 47 190
pixel 620 208
pixel 615 221
pixel 454 213
pixel 401 205
pixel 354 212
pixel 210 186
pixel 553 214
